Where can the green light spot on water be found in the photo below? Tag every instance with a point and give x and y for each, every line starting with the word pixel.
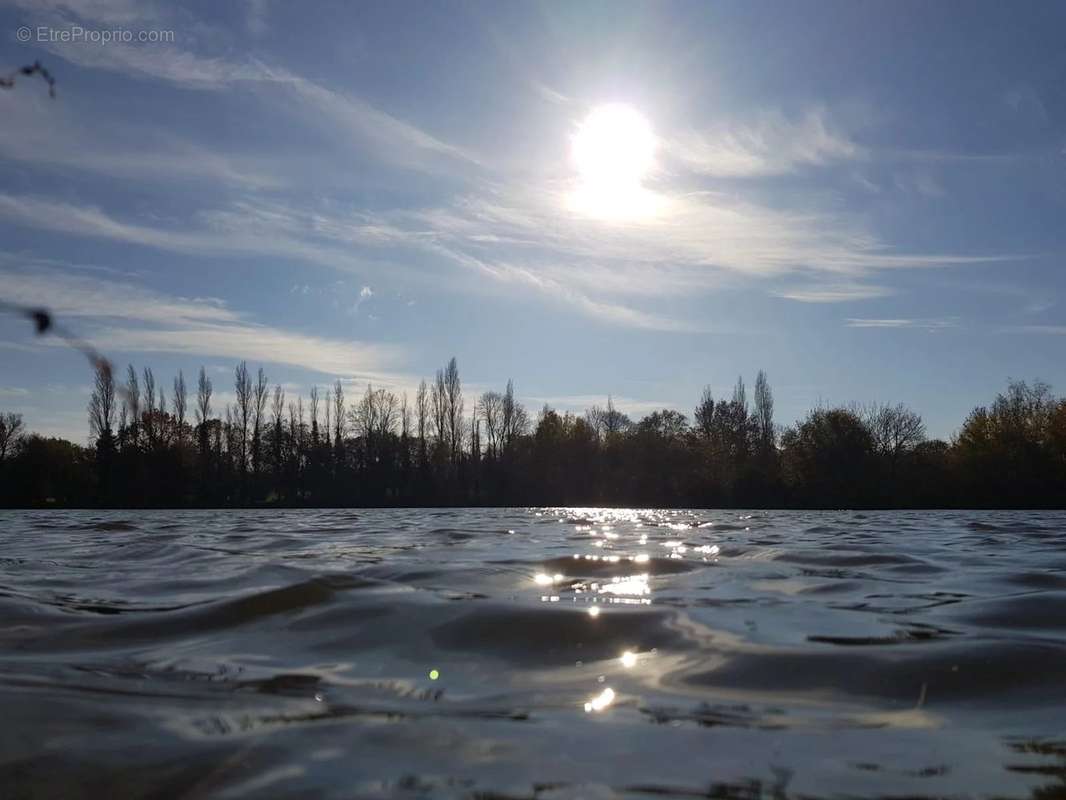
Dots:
pixel 433 674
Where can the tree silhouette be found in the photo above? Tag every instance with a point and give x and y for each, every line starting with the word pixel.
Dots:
pixel 378 450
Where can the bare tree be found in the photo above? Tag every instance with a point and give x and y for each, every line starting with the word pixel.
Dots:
pixel 234 441
pixel 338 414
pixel 515 417
pixel 375 415
pixel 895 430
pixel 388 405
pixel 133 402
pixel 607 422
pixel 293 423
pixel 149 409
pixel 329 413
pixel 454 404
pixel 363 416
pixel 242 384
pixel 10 433
pixel 764 412
pixel 277 405
pixel 475 435
pixel 259 399
pixel 439 403
pixel 740 394
pixel 300 439
pixel 277 413
pixel 422 417
pixel 704 414
pixel 405 417
pixel 314 416
pixel 492 412
pixel 102 408
pixel 203 398
pixel 179 403
pixel 203 408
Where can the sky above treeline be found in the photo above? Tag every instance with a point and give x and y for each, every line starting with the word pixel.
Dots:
pixel 866 200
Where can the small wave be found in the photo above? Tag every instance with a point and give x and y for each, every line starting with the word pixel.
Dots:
pixel 558 636
pixel 1039 580
pixel 106 525
pixel 822 558
pixel 993 672
pixel 1041 611
pixel 595 566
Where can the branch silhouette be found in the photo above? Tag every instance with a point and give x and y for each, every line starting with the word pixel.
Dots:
pixel 8 81
pixel 44 323
pixel 42 318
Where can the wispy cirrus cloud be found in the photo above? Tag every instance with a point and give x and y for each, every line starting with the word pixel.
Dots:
pixel 120 316
pixel 308 102
pixel 344 115
pixel 834 292
pixel 516 231
pixel 703 245
pixel 161 60
pixel 38 131
pixel 706 241
pixel 1043 330
pixel 105 12
pixel 771 144
pixel 927 324
pixel 274 230
pixel 242 230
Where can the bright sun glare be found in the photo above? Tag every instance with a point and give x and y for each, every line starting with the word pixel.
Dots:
pixel 613 150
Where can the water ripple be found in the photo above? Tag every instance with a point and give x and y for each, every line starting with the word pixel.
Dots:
pixel 551 652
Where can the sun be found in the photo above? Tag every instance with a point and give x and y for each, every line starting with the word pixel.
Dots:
pixel 614 145
pixel 613 151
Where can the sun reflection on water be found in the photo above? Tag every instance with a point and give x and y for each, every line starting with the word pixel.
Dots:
pixel 600 701
pixel 543 579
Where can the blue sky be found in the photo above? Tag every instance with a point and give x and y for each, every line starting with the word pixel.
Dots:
pixel 866 200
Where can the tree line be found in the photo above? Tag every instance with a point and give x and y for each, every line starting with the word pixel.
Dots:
pixel 157 446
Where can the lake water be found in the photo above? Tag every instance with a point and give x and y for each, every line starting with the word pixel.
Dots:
pixel 532 652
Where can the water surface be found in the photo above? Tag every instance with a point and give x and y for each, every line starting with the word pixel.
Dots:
pixel 532 653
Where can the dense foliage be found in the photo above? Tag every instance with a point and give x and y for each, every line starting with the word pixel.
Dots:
pixel 389 449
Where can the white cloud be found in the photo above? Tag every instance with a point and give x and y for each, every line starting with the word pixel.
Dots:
pixel 244 230
pixel 257 343
pixel 834 292
pixel 920 182
pixel 69 294
pixel 343 115
pixel 118 316
pixel 773 144
pixel 103 12
pixel 1047 330
pixel 51 134
pixel 703 241
pixel 330 110
pixel 516 232
pixel 928 324
pixel 704 244
pixel 364 294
